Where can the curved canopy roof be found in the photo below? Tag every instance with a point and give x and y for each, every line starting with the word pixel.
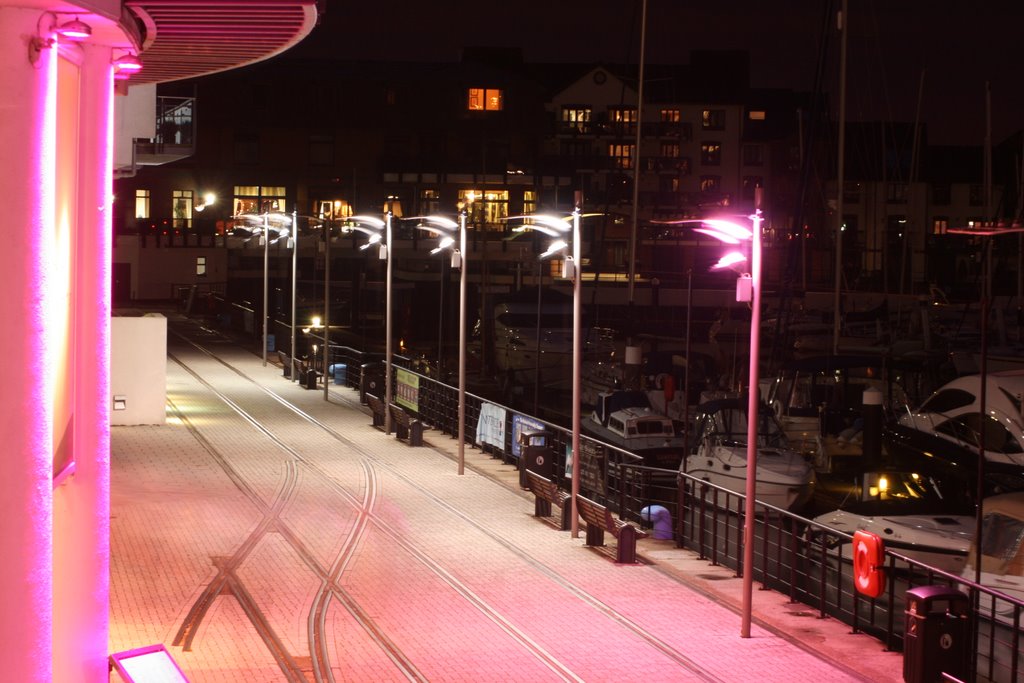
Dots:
pixel 188 38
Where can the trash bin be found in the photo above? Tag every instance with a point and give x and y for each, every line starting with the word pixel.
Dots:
pixel 339 371
pixel 309 380
pixel 371 380
pixel 271 343
pixel 535 454
pixel 937 638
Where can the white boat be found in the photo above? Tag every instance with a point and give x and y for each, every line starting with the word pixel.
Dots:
pixel 912 514
pixel 625 419
pixel 526 344
pixel 1002 571
pixel 783 478
pixel 953 412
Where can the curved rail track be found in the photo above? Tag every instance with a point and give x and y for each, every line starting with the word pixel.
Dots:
pixel 363 504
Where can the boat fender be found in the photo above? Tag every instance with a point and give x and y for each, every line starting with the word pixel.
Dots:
pixel 868 563
pixel 668 385
pixel 659 380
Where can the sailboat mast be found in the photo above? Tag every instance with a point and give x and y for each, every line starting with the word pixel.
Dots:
pixel 840 176
pixel 636 157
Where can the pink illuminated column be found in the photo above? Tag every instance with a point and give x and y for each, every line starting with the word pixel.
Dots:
pixel 82 502
pixel 26 160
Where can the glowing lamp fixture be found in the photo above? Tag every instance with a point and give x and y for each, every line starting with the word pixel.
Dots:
pixel 729 260
pixel 76 29
pixel 208 198
pixel 554 248
pixel 724 231
pixel 128 63
pixel 445 242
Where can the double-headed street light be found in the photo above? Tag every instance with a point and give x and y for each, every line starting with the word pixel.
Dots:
pixel 445 227
pixel 730 232
pixel 558 228
pixel 379 232
pixel 261 224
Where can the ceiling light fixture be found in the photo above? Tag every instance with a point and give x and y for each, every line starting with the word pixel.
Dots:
pixel 76 29
pixel 128 63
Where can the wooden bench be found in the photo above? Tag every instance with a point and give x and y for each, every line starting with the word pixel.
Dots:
pixel 286 363
pixel 406 426
pixel 599 519
pixel 546 493
pixel 377 407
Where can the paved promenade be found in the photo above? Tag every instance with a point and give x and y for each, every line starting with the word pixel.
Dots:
pixel 264 534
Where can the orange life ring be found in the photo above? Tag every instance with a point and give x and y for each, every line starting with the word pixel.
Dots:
pixel 868 564
pixel 669 387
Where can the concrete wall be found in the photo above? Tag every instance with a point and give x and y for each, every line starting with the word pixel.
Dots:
pixel 138 370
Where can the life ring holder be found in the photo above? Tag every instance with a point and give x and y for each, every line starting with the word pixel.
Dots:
pixel 868 564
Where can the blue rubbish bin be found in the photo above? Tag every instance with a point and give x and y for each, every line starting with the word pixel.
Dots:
pixel 339 371
pixel 271 343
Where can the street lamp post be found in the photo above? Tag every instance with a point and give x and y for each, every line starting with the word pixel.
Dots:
pixel 555 227
pixel 729 232
pixel 294 239
pixel 462 340
pixel 444 226
pixel 753 405
pixel 379 232
pixel 327 306
pixel 266 278
pixel 387 323
pixel 577 271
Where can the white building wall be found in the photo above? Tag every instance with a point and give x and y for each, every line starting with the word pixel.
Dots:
pixel 138 370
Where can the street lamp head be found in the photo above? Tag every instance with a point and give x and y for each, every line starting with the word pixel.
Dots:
pixel 369 220
pixel 445 242
pixel 554 248
pixel 729 260
pixel 549 225
pixel 434 222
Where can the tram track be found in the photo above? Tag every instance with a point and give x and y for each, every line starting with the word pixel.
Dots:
pixel 329 577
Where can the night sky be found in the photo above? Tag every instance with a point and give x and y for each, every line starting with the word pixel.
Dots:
pixel 957 46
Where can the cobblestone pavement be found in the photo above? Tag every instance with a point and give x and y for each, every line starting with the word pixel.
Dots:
pixel 263 544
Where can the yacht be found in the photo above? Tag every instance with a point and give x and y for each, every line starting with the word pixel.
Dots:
pixel 626 419
pixel 921 516
pixel 953 412
pixel 718 455
pixel 1002 571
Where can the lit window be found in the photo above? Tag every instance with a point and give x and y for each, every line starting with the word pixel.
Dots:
pixel 623 114
pixel 485 99
pixel 756 115
pixel 711 153
pixel 622 155
pixel 670 149
pixel 258 199
pixel 142 203
pixel 713 119
pixel 201 266
pixel 670 116
pixel 529 201
pixel 710 183
pixel 182 208
pixel 487 208
pixel 430 201
pixel 940 224
pixel 576 118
